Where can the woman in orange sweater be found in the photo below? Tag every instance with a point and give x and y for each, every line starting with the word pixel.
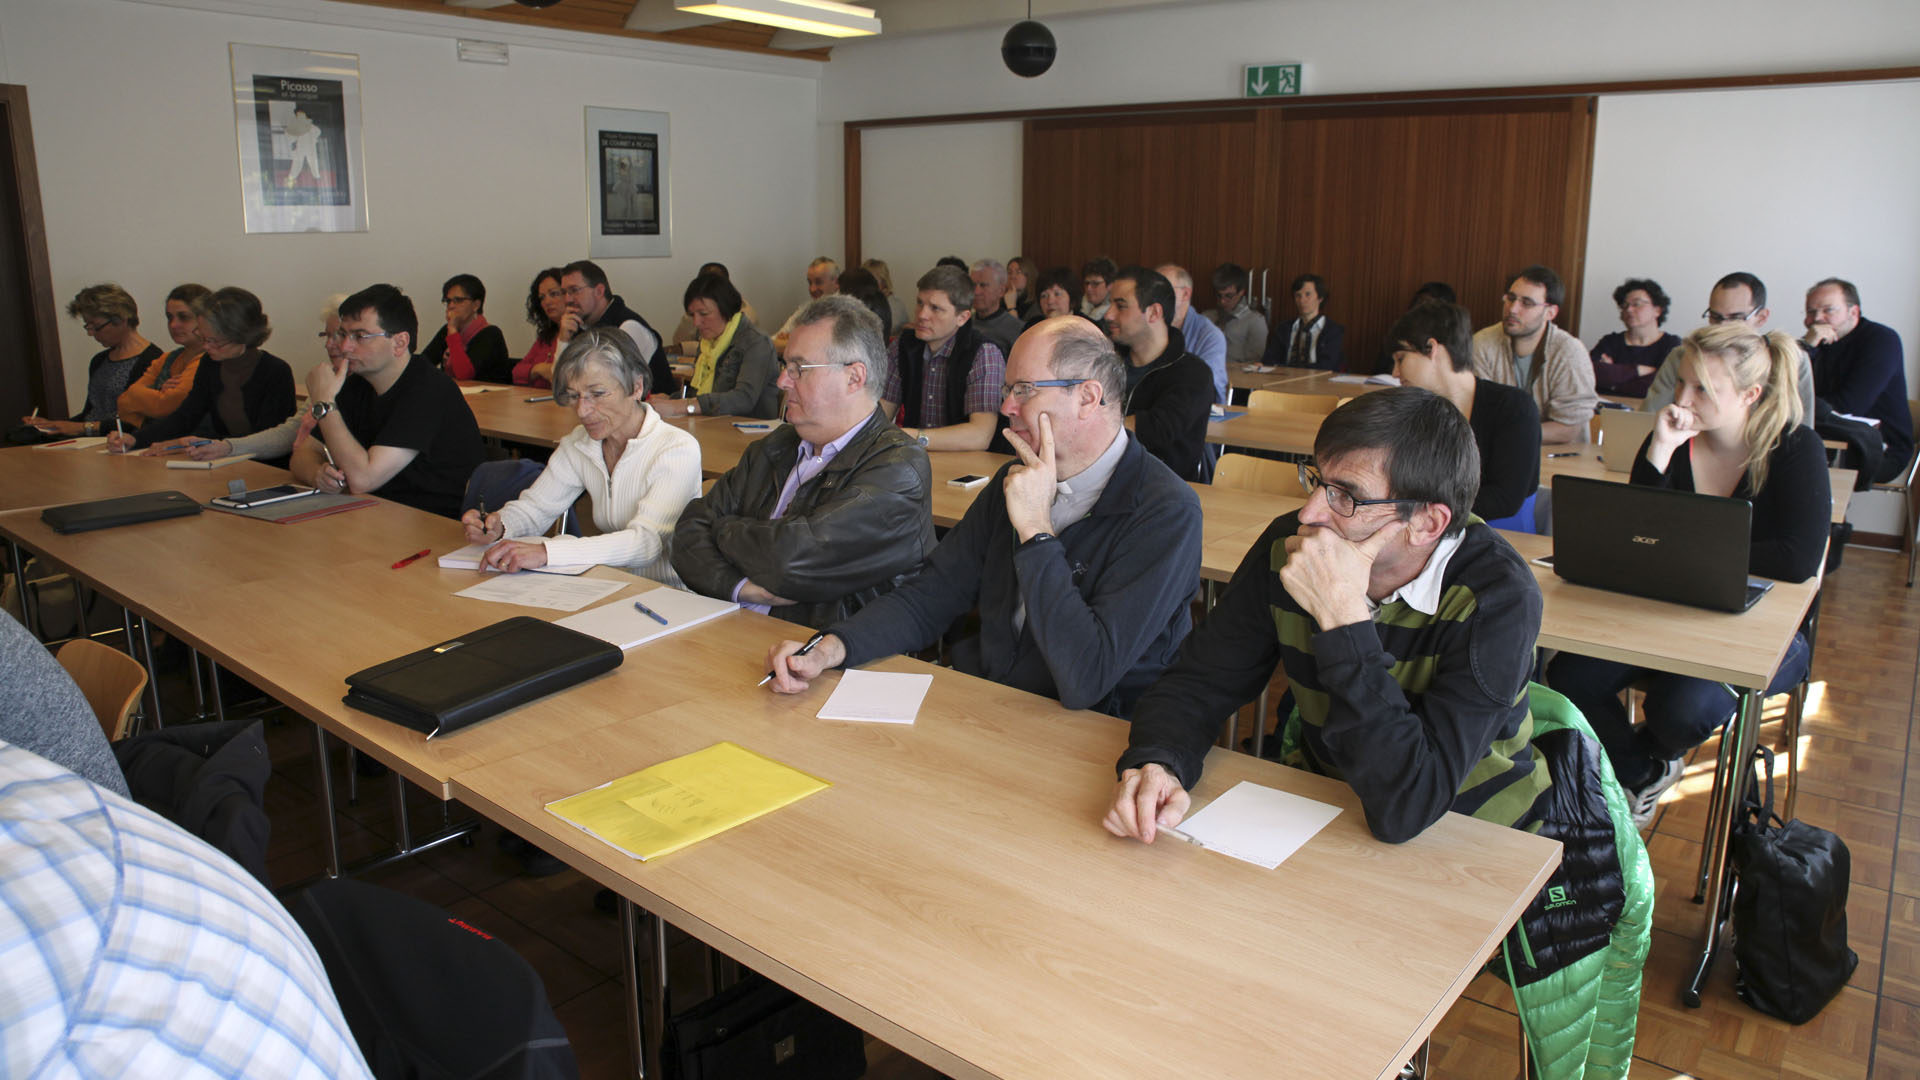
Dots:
pixel 163 386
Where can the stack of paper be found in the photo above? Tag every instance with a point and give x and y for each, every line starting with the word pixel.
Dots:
pixel 622 623
pixel 878 697
pixel 216 463
pixel 468 558
pixel 1260 825
pixel 665 807
pixel 543 591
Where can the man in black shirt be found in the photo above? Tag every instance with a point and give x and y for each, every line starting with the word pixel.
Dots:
pixel 1169 390
pixel 399 429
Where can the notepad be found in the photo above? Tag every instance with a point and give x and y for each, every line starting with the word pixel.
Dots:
pixel 1366 380
pixel 665 807
pixel 1260 825
pixel 620 623
pixel 543 591
pixel 86 443
pixel 877 697
pixel 216 463
pixel 468 558
pixel 471 390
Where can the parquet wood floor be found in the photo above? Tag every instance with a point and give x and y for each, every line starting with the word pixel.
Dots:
pixel 1859 751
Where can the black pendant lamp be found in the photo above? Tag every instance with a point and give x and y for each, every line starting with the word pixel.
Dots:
pixel 1028 49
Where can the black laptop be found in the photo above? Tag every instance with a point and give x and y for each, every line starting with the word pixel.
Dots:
pixel 1665 545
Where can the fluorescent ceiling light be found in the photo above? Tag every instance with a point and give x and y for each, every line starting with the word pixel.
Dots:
pixel 824 17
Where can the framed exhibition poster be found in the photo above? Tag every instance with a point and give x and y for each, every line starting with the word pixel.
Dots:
pixel 297 114
pixel 627 209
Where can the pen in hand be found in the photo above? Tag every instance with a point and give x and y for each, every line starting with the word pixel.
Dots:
pixel 801 651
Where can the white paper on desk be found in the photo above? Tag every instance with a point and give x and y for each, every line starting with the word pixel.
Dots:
pixel 86 443
pixel 620 623
pixel 471 390
pixel 1260 825
pixel 543 590
pixel 877 697
pixel 468 558
pixel 215 463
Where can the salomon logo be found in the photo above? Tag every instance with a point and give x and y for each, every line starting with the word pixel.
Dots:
pixel 1646 539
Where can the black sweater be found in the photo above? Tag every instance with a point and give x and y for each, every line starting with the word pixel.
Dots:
pixel 1506 426
pixel 1170 401
pixel 268 398
pixel 1790 515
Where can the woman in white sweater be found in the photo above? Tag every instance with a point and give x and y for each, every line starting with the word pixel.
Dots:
pixel 638 470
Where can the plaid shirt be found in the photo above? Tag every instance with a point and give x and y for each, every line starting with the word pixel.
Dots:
pixel 983 382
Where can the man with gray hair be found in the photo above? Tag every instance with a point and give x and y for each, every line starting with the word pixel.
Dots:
pixel 823 279
pixel 1082 556
pixel 991 319
pixel 832 509
pixel 1204 339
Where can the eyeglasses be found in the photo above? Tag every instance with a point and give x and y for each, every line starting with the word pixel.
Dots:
pixel 1526 302
pixel 572 291
pixel 1640 303
pixel 1339 499
pixel 793 368
pixel 334 336
pixel 568 399
pixel 1024 389
pixel 96 327
pixel 216 343
pixel 1716 318
pixel 449 301
pixel 359 336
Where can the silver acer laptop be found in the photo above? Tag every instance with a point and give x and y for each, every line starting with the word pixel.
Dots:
pixel 1665 545
pixel 1621 434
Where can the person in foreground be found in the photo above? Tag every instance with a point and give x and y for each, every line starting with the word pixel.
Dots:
pixel 830 510
pixel 1733 430
pixel 639 471
pixel 1082 557
pixel 1406 628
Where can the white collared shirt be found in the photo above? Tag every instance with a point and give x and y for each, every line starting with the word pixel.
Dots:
pixel 1423 593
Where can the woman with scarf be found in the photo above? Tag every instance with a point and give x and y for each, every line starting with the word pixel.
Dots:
pixel 467 347
pixel 735 373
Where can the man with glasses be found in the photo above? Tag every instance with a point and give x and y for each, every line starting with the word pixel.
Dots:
pixel 1082 557
pixel 589 303
pixel 1860 369
pixel 389 423
pixel 1245 328
pixel 1737 297
pixel 1526 350
pixel 832 509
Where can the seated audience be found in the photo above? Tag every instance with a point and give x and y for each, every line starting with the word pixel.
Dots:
pixel 860 284
pixel 546 306
pixel 943 378
pixel 239 387
pixel 1733 430
pixel 277 441
pixel 390 422
pixel 954 261
pixel 823 279
pixel 1310 339
pixel 1526 350
pixel 1096 275
pixel 1432 349
pixel 1203 339
pixel 1082 558
pixel 1057 292
pixel 639 472
pixel 832 509
pixel 1244 328
pixel 163 386
pixel 1624 362
pixel 1019 297
pixel 902 311
pixel 735 373
pixel 590 303
pixel 1433 290
pixel 111 319
pixel 1738 297
pixel 992 319
pixel 1859 368
pixel 683 331
pixel 1169 391
pixel 468 347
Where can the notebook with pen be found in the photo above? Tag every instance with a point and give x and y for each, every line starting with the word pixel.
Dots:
pixel 445 687
pixel 663 611
pixel 1677 546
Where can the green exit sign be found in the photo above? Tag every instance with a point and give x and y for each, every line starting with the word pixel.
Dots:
pixel 1271 80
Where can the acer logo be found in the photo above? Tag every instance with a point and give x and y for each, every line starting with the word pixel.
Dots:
pixel 1646 539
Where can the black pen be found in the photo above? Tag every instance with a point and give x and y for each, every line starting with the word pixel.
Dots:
pixel 1569 453
pixel 801 651
pixel 539 397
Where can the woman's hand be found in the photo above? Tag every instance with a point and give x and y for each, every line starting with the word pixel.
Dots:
pixel 1673 427
pixel 482 528
pixel 511 555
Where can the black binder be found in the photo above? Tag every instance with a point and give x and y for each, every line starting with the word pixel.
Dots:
pixel 125 510
pixel 445 687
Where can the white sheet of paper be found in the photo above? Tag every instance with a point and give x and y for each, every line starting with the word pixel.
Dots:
pixel 878 697
pixel 620 623
pixel 1260 825
pixel 1357 380
pixel 468 558
pixel 472 390
pixel 543 590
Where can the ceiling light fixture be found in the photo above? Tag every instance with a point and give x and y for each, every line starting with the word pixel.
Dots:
pixel 824 17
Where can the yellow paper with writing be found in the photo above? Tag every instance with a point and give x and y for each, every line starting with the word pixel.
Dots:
pixel 665 807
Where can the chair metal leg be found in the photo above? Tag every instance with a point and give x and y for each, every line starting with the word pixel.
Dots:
pixel 1796 705
pixel 644 957
pixel 1742 737
pixel 153 672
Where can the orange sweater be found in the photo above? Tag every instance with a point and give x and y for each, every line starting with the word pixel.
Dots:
pixel 161 388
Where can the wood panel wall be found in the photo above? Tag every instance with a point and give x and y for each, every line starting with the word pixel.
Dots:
pixel 1376 198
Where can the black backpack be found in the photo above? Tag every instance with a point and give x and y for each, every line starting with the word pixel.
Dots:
pixel 1789 910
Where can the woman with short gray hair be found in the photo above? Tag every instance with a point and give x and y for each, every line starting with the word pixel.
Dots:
pixel 638 470
pixel 112 320
pixel 239 389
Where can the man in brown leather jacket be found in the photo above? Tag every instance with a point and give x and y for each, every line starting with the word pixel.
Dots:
pixel 829 511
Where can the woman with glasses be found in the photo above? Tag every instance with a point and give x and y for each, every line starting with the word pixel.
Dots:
pixel 467 347
pixel 639 471
pixel 1625 361
pixel 163 386
pixel 277 441
pixel 112 319
pixel 546 306
pixel 239 389
pixel 735 372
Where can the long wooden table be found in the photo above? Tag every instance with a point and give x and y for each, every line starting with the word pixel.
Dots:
pixel 1584 461
pixel 1285 432
pixel 35 477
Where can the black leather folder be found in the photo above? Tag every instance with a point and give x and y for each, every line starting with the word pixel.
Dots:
pixel 125 510
pixel 445 687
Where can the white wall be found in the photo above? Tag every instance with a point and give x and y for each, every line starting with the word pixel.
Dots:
pixel 470 168
pixel 933 191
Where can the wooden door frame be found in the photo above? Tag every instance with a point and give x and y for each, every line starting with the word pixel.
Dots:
pixel 33 236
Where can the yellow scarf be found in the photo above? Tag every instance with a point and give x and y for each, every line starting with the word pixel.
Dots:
pixel 710 354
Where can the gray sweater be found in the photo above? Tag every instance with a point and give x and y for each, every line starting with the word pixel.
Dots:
pixel 43 711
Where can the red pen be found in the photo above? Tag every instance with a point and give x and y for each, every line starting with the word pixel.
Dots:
pixel 421 554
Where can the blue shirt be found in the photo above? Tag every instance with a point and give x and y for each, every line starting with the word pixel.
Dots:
pixel 1205 341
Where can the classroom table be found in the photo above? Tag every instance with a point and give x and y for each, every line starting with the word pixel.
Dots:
pixel 30 476
pixel 954 894
pixel 1584 460
pixel 1242 377
pixel 1329 383
pixel 1285 432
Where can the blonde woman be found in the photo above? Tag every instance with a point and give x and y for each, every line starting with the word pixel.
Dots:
pixel 902 310
pixel 112 320
pixel 1733 430
pixel 164 385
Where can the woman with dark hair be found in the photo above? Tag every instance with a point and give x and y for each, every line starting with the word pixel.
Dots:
pixel 467 347
pixel 684 332
pixel 1624 362
pixel 735 372
pixel 860 284
pixel 1056 293
pixel 546 303
pixel 1019 297
pixel 239 389
pixel 164 385
pixel 112 319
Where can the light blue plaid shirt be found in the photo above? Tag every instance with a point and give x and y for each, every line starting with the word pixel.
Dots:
pixel 129 947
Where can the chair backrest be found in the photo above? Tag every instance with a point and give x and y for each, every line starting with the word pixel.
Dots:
pixel 1281 401
pixel 497 483
pixel 1249 473
pixel 111 680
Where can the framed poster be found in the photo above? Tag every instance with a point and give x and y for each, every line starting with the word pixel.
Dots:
pixel 628 215
pixel 297 114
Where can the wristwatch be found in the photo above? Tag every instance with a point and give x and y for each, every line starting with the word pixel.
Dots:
pixel 321 409
pixel 693 407
pixel 922 439
pixel 1035 539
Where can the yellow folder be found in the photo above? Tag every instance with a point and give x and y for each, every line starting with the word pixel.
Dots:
pixel 665 807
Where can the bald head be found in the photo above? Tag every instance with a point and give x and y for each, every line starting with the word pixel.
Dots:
pixel 1182 290
pixel 1084 415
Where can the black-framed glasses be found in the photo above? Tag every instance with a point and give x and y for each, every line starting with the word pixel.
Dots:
pixel 448 301
pixel 1025 388
pixel 1339 499
pixel 96 327
pixel 1716 318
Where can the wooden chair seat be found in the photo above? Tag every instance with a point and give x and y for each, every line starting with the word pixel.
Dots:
pixel 111 680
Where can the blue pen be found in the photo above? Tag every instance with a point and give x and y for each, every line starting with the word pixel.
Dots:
pixel 649 613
